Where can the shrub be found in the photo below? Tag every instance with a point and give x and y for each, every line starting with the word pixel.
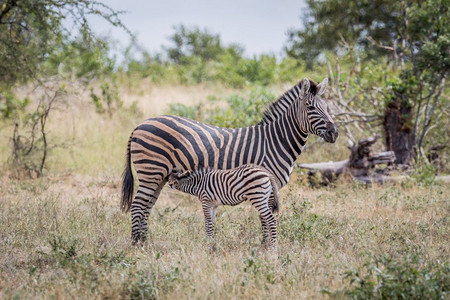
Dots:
pixel 182 110
pixel 424 174
pixel 233 111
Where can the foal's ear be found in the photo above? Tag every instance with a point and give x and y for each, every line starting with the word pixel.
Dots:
pixel 305 87
pixel 322 86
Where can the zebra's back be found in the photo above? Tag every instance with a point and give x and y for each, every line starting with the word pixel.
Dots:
pixel 180 142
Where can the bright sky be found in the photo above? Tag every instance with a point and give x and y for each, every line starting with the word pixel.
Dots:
pixel 259 25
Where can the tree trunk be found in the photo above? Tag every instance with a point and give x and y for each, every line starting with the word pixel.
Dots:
pixel 398 129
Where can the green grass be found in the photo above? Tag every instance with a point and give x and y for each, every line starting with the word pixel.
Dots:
pixel 66 238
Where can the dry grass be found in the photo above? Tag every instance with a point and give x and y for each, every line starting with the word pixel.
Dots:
pixel 63 236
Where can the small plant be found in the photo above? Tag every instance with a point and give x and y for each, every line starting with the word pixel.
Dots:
pixel 252 264
pixel 258 270
pixel 64 250
pixel 143 286
pixel 306 227
pixel 387 278
pixel 109 99
pixel 30 144
pixel 424 174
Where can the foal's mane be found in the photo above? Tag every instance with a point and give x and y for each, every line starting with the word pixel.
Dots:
pixel 278 107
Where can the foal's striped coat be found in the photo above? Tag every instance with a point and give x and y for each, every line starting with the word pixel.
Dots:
pixel 231 187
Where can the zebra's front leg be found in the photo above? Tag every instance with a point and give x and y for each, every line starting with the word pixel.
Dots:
pixel 209 211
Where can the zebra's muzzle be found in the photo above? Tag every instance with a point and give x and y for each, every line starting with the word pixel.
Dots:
pixel 331 134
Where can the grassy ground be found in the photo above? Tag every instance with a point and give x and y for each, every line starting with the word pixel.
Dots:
pixel 66 238
pixel 63 236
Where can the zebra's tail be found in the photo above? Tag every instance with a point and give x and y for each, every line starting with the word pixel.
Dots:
pixel 275 204
pixel 127 182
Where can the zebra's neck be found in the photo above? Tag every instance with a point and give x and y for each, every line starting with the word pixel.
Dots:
pixel 282 104
pixel 285 140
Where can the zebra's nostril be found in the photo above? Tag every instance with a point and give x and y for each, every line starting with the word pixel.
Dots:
pixel 331 126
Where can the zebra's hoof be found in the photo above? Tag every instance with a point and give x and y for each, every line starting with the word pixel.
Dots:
pixel 212 248
pixel 138 239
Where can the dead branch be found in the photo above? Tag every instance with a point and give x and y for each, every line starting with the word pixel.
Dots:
pixel 376 44
pixel 429 113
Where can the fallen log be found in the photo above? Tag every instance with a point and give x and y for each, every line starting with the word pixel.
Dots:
pixel 334 166
pixel 360 164
pixel 329 171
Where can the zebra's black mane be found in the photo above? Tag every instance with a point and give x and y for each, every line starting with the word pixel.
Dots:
pixel 279 106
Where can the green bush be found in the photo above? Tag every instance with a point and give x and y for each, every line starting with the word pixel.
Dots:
pixel 11 106
pixel 182 110
pixel 233 111
pixel 236 71
pixel 424 174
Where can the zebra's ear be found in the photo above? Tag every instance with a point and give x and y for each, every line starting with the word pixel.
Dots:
pixel 322 86
pixel 305 87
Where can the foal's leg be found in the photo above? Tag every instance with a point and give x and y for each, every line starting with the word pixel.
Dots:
pixel 209 210
pixel 261 204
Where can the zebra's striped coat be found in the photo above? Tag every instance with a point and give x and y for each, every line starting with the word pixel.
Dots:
pixel 231 187
pixel 160 144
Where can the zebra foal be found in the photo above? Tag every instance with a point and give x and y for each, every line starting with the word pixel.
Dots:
pixel 216 187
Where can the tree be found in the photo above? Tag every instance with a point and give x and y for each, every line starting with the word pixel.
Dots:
pixel 414 38
pixel 329 23
pixel 194 42
pixel 31 30
pixel 36 38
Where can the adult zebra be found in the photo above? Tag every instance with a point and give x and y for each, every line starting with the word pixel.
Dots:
pixel 160 144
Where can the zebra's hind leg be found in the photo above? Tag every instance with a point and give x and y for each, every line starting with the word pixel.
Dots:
pixel 264 227
pixel 265 231
pixel 267 217
pixel 141 207
pixel 147 211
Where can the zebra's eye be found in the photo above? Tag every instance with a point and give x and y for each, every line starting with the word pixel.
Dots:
pixel 310 107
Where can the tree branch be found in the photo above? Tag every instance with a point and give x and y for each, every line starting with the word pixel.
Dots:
pixel 376 44
pixel 429 113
